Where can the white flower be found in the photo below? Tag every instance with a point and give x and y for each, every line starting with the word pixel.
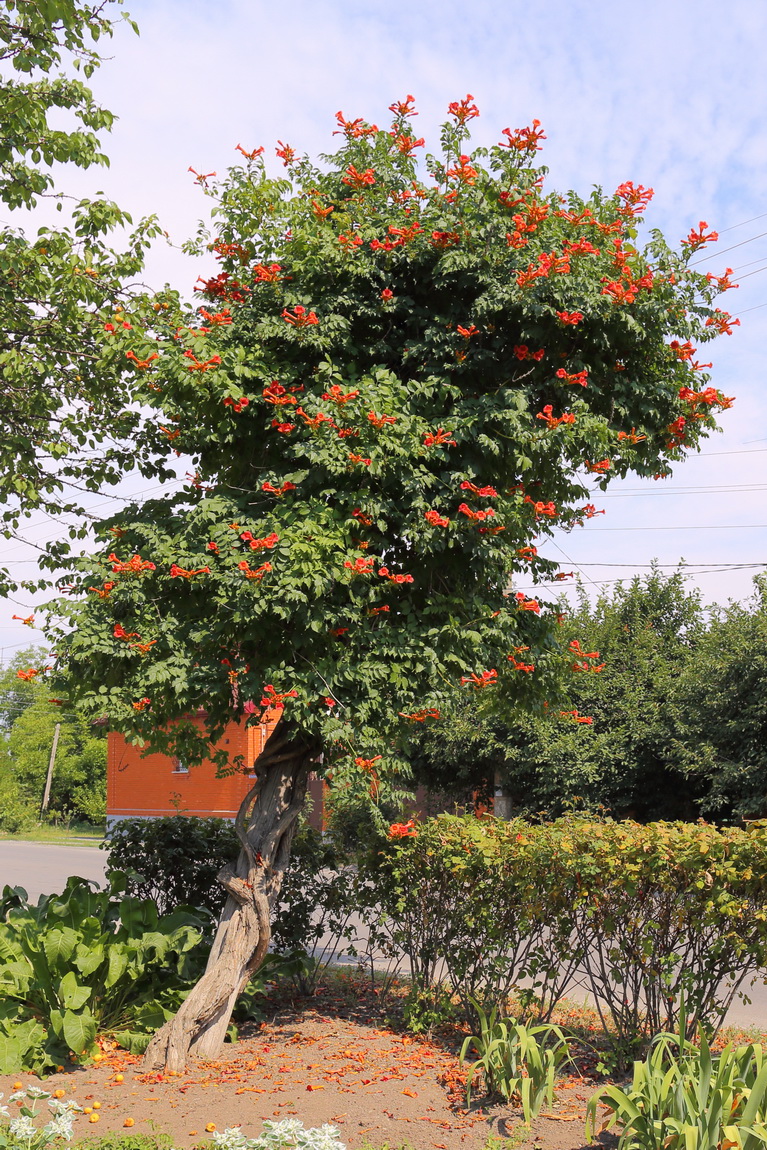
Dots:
pixel 231 1139
pixel 60 1127
pixel 22 1127
pixel 36 1092
pixel 59 1107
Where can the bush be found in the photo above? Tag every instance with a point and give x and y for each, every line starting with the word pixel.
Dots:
pixel 174 861
pixel 86 962
pixel 648 917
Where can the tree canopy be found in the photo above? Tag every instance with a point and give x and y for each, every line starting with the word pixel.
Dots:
pixel 404 371
pixel 66 418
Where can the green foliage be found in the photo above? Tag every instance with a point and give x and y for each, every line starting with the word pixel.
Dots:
pixel 132 1141
pixel 650 635
pixel 683 1097
pixel 516 1061
pixel 28 719
pixel 88 962
pixel 173 861
pixel 653 919
pixel 371 468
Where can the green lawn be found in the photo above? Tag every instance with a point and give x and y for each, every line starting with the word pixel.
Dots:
pixel 77 834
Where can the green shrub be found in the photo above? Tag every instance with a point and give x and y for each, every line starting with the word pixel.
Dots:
pixel 647 917
pixel 85 962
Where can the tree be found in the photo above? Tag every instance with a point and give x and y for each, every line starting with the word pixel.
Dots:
pixel 646 638
pixel 66 418
pixel 402 375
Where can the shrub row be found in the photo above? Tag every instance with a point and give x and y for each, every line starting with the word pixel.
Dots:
pixel 649 919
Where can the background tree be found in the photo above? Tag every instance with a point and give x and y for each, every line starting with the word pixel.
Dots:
pixel 28 718
pixel 65 417
pixel 648 635
pixel 402 375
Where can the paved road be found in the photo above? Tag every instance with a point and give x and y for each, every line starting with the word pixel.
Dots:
pixel 43 868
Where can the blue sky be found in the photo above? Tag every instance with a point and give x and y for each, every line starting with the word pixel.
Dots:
pixel 670 95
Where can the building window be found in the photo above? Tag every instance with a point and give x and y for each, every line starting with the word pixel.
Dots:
pixel 180 768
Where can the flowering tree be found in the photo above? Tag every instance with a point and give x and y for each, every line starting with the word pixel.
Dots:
pixel 403 372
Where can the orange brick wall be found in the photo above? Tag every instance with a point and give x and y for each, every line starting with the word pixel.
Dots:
pixel 153 785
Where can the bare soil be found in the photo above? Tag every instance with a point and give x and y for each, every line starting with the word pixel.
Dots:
pixel 333 1058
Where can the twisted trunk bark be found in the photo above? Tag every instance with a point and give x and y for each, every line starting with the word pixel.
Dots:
pixel 265 824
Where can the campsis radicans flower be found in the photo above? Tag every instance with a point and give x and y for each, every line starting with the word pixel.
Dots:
pixel 360 566
pixel 541 508
pixel 630 436
pixel 524 139
pixel 723 322
pixel 272 699
pixel 366 764
pixel 141 364
pixel 575 647
pixel 363 459
pixel 337 395
pixel 475 516
pixel 386 574
pixel 103 592
pixel 483 679
pixel 201 365
pixel 27 620
pixel 420 716
pixel 522 352
pixel 525 604
pixel 380 420
pixel 552 421
pixel 267 273
pixel 403 108
pixel 134 566
pixel 440 436
pixel 275 393
pixel 485 492
pixel 299 316
pixel 254 573
pixel 697 239
pixel 589 511
pixel 357 179
pixel 436 519
pixel 578 377
pixel 603 465
pixel 403 830
pixel 27 676
pixel 119 632
pixel 142 704
pixel 576 717
pixel 635 198
pixel 571 318
pixel 278 491
pixel 527 552
pixel 177 572
pixel 527 668
pixel 237 405
pixel 361 517
pixel 268 541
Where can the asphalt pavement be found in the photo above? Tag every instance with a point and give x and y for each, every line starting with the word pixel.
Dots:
pixel 43 868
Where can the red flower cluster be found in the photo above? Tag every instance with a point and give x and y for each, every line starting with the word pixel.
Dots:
pixel 709 397
pixel 285 153
pixel 527 552
pixel 403 830
pixel 403 236
pixel 177 572
pixel 444 239
pixel 381 420
pixel 337 395
pixel 275 393
pixel 524 139
pixel 475 516
pixel 630 436
pixel 485 492
pixel 141 364
pixel 27 676
pixel 603 465
pixel 462 171
pixel 553 421
pixel 354 129
pixel 570 317
pixel 249 155
pixel 527 668
pixel 223 286
pixel 299 317
pixel 525 604
pixel 549 263
pixel 436 519
pixel 359 515
pixel 589 511
pixel 119 632
pixel 278 491
pixel 103 592
pixel 385 574
pixel 578 377
pixel 440 436
pixel 272 699
pixel 403 107
pixel 359 459
pixel 219 318
pixel 256 572
pixel 635 198
pixel 522 351
pixel 407 143
pixel 723 322
pixel 420 716
pixel 697 239
pixel 484 679
pixel 237 405
pixel 360 566
pixel 542 508
pixel 267 542
pixel 358 179
pixel 134 566
pixel 576 717
pixel 142 704
pixel 267 273
pixel 199 365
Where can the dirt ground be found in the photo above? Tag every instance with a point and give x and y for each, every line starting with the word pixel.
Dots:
pixel 330 1059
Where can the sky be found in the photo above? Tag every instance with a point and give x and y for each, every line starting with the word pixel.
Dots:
pixel 671 95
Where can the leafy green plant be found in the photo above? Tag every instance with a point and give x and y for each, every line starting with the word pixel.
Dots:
pixel 516 1061
pixel 683 1097
pixel 85 962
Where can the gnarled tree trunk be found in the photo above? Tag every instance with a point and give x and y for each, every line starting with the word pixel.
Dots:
pixel 266 824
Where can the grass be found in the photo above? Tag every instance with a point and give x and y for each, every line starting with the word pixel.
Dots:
pixel 76 834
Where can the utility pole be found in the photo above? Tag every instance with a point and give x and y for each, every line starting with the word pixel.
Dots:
pixel 49 776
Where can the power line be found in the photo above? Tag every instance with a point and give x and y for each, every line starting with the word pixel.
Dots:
pixel 732 248
pixel 743 223
pixel 700 527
